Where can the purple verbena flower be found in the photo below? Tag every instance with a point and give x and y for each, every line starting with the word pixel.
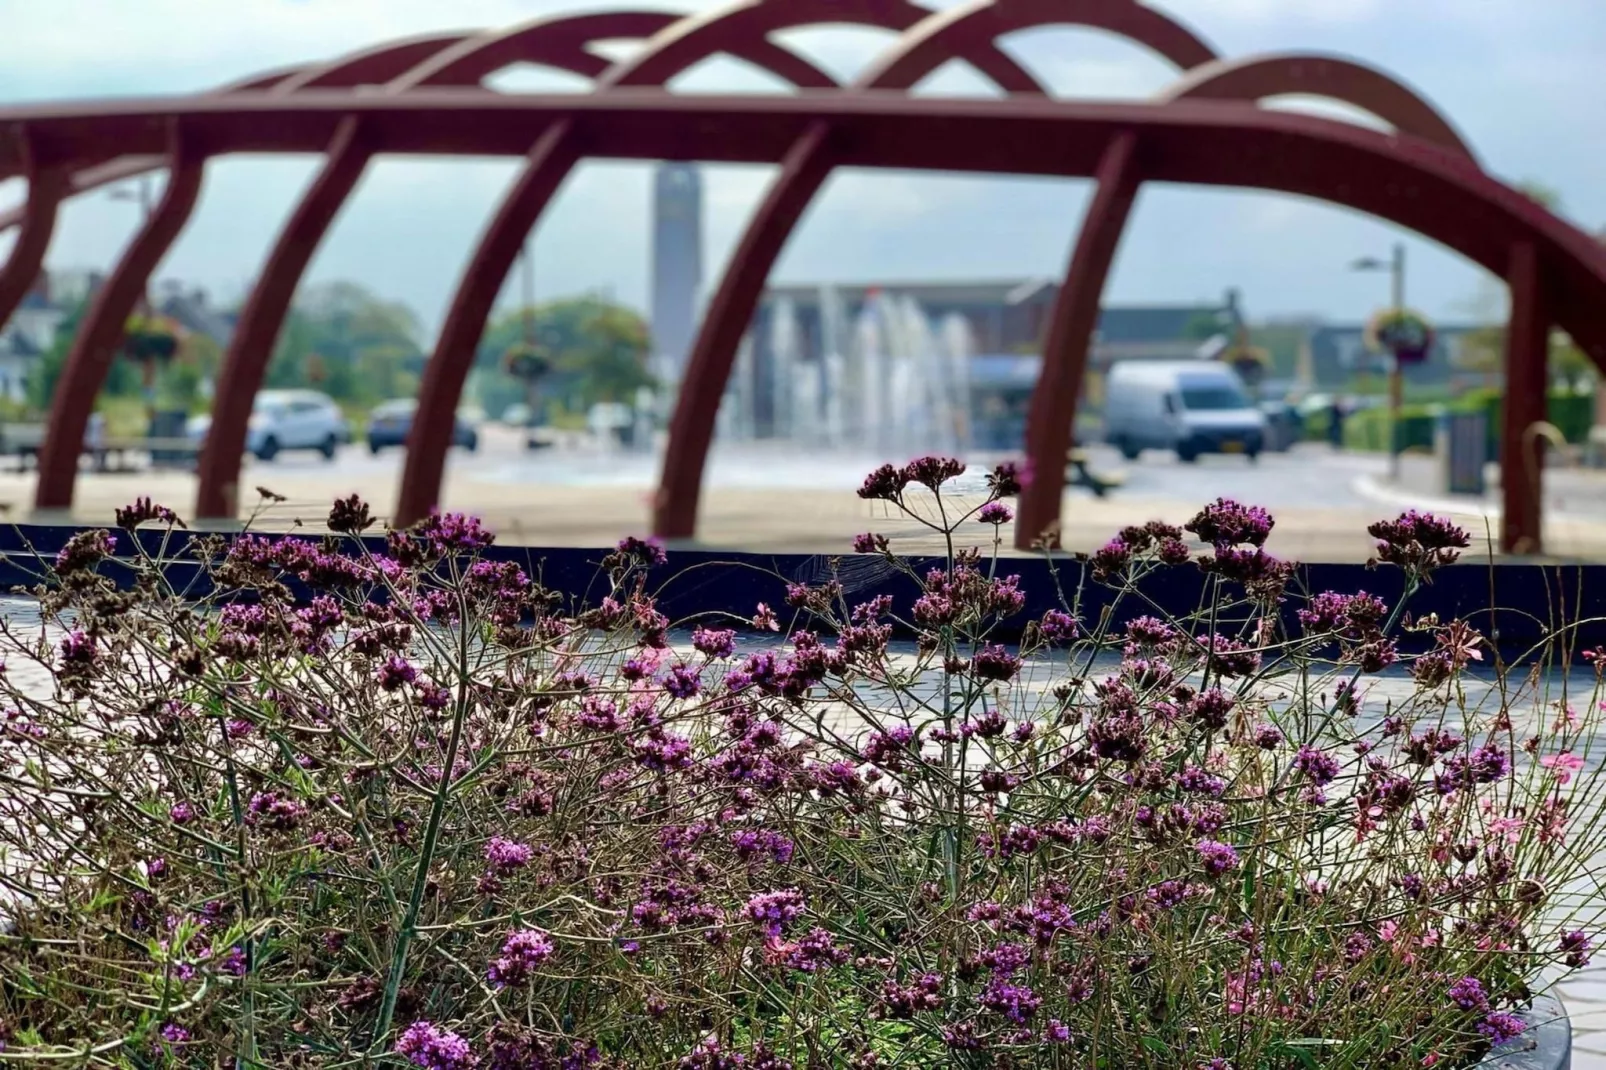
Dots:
pixel 272 810
pixel 902 1001
pixel 994 662
pixel 1217 857
pixel 427 1045
pixel 1111 560
pixel 995 513
pixel 885 484
pixel 1057 627
pixel 506 855
pixel 714 642
pixel 1200 782
pixel 1501 1027
pixel 932 472
pixel 1225 523
pixel 1006 479
pixel 1418 541
pixel 814 951
pixel 394 672
pixel 234 962
pixel 1319 768
pixel 750 844
pixel 522 952
pixel 1015 1002
pixel 143 510
pixel 1210 709
pixel 774 911
pixel 453 533
pixel 644 552
pixel 683 681
pixel 1468 994
pixel 1575 945
pixel 84 551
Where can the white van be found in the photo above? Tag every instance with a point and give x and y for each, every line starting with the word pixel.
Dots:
pixel 1191 406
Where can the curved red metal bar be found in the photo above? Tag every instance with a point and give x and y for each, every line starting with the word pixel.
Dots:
pixel 957 32
pixel 1330 77
pixel 1051 418
pixel 91 178
pixel 370 66
pixel 558 42
pixel 964 32
pixel 736 30
pixel 47 183
pixel 95 345
pixel 543 41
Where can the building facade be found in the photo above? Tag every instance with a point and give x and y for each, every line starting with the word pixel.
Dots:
pixel 28 336
pixel 677 267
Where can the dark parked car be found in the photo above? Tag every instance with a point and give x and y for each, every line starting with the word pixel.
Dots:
pixel 389 424
pixel 1284 425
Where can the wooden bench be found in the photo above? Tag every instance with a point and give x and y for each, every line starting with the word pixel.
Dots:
pixel 1078 474
pixel 22 441
pixel 182 449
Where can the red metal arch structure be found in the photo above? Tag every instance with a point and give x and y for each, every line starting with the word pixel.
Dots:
pixel 426 96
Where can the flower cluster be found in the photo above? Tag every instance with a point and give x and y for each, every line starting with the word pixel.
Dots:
pixel 1419 542
pixel 522 952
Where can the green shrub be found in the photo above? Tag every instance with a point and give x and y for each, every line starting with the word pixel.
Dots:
pixel 1573 414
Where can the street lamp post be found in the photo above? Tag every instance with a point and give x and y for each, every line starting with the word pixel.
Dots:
pixel 1395 266
pixel 145 309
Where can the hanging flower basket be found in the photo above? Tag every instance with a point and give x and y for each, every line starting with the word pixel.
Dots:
pixel 1406 334
pixel 525 361
pixel 150 338
pixel 1250 362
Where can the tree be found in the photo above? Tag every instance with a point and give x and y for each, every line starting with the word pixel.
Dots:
pixel 354 346
pixel 598 351
pixel 122 378
pixel 1203 326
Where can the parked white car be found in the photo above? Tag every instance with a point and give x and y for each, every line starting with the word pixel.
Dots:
pixel 287 420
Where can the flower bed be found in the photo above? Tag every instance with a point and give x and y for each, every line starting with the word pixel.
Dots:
pixel 439 815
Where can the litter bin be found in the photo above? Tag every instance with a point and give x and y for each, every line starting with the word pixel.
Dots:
pixel 168 424
pixel 1461 443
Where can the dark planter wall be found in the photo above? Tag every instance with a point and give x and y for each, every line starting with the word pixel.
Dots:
pixel 1520 606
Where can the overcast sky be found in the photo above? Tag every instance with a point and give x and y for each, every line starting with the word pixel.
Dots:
pixel 1520 78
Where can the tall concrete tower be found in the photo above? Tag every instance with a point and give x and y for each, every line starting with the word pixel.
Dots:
pixel 677 267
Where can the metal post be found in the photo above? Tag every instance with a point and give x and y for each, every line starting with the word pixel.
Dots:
pixel 531 389
pixel 1522 458
pixel 1396 373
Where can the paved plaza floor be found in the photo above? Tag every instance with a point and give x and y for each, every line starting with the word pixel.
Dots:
pixel 792 498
